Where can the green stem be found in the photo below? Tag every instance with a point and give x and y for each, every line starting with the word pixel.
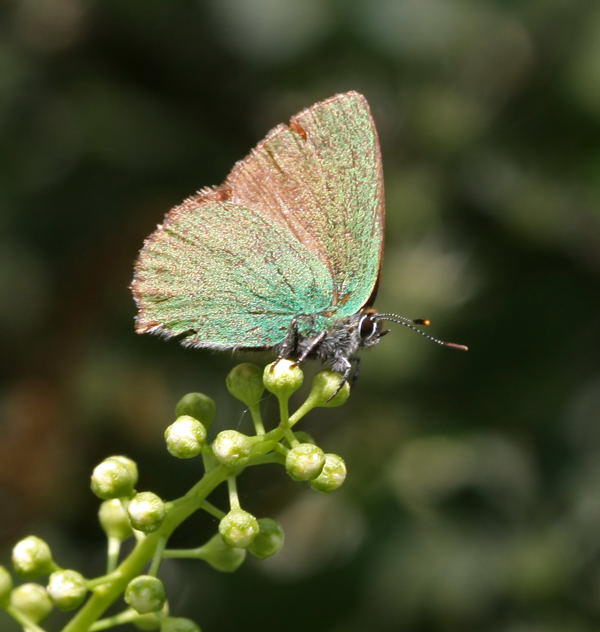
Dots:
pixel 187 553
pixel 257 420
pixel 304 409
pixel 118 619
pixel 234 501
pixel 160 547
pixel 112 558
pixel 105 594
pixel 212 510
pixel 281 449
pixel 102 579
pixel 266 459
pixel 284 421
pixel 26 623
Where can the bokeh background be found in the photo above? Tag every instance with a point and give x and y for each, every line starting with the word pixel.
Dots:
pixel 473 497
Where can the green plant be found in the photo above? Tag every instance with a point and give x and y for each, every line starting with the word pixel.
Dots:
pixel 125 513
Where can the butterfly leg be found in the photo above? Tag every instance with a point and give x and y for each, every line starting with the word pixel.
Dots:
pixel 312 346
pixel 344 366
pixel 289 345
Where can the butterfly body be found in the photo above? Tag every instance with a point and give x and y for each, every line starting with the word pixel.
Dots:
pixel 335 346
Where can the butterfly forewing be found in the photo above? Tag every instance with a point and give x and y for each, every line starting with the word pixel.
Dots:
pixel 321 177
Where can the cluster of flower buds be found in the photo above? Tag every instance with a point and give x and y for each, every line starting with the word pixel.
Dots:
pixel 32 602
pixel 126 512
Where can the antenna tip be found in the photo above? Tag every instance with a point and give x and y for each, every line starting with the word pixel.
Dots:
pixel 454 345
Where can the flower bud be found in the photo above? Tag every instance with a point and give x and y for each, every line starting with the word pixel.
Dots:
pixel 304 461
pixel 115 477
pixel 151 620
pixel 245 383
pixel 199 406
pixel 6 584
pixel 332 475
pixel 185 437
pixel 32 600
pixel 146 511
pixel 232 448
pixel 282 378
pixel 114 519
pixel 31 557
pixel 326 391
pixel 179 624
pixel 145 593
pixel 221 556
pixel 67 589
pixel 269 539
pixel 238 528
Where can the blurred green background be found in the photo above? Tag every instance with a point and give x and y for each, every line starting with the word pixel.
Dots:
pixel 473 497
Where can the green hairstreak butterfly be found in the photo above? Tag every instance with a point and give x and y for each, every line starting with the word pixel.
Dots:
pixel 286 253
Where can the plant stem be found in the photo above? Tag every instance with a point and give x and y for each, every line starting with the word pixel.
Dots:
pixel 114 549
pixel 257 420
pixel 212 510
pixel 184 553
pixel 160 547
pixel 118 619
pixel 26 623
pixel 234 501
pixel 284 421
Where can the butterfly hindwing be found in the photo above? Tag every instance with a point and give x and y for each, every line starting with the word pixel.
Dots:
pixel 225 276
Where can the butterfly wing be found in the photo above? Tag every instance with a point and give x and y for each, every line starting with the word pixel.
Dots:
pixel 297 228
pixel 321 178
pixel 223 276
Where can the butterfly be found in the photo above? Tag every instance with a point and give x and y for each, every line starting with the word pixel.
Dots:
pixel 286 253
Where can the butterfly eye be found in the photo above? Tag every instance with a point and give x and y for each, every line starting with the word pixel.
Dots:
pixel 368 327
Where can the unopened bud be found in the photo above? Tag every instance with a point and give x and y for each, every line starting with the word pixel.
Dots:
pixel 269 539
pixel 332 475
pixel 114 519
pixel 238 528
pixel 32 600
pixel 282 378
pixel 221 556
pixel 145 593
pixel 329 389
pixel 245 383
pixel 146 511
pixel 67 589
pixel 179 624
pixel 199 406
pixel 232 448
pixel 115 477
pixel 6 584
pixel 304 461
pixel 31 557
pixel 185 437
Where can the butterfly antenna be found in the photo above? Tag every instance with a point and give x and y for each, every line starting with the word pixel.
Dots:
pixel 410 324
